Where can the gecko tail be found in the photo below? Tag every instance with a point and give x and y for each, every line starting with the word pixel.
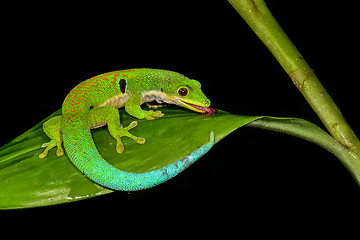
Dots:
pixel 101 172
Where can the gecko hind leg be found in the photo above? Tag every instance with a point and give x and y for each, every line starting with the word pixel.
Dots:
pixel 53 143
pixel 98 117
pixel 110 116
pixel 117 132
pixel 52 130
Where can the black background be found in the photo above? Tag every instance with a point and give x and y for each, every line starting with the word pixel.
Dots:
pixel 252 183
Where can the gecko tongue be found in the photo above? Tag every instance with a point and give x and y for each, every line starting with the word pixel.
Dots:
pixel 205 110
pixel 208 111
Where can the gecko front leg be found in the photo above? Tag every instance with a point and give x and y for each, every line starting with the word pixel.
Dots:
pixel 133 108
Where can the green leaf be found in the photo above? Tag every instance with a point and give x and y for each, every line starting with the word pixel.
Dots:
pixel 28 181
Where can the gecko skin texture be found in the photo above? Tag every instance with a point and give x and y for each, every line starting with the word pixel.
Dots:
pixel 94 102
pixel 106 175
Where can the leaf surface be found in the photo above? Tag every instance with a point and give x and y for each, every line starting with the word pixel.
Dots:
pixel 28 181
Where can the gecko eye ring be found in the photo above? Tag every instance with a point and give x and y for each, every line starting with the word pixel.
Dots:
pixel 183 92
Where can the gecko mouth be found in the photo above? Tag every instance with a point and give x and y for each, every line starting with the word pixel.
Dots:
pixel 202 110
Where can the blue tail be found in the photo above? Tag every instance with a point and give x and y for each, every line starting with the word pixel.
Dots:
pixel 108 176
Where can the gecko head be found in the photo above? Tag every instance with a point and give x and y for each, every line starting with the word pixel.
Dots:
pixel 187 93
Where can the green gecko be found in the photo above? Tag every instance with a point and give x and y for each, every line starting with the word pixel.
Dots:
pixel 94 102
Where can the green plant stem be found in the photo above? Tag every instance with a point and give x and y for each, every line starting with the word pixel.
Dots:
pixel 259 18
pixel 308 131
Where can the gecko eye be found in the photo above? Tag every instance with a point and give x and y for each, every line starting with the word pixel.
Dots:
pixel 183 92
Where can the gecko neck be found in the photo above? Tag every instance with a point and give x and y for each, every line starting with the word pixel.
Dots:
pixel 120 100
pixel 156 95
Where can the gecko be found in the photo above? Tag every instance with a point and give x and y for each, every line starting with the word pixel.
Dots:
pixel 94 102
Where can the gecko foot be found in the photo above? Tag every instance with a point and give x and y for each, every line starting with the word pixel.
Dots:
pixel 151 115
pixel 124 132
pixel 53 143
